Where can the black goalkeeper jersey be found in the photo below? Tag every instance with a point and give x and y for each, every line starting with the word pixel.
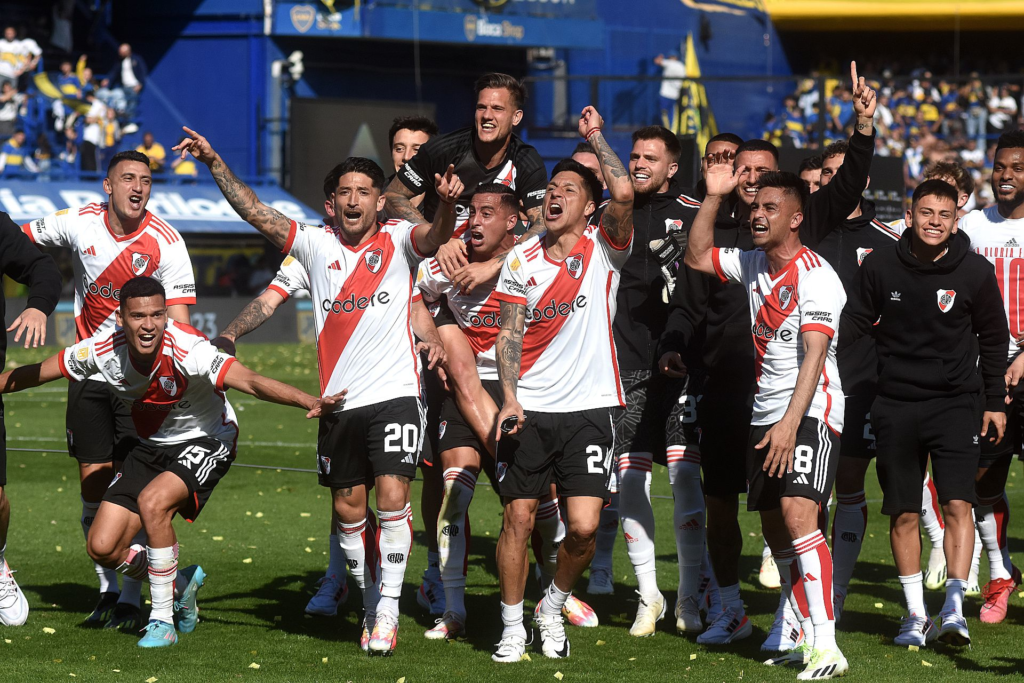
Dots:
pixel 522 169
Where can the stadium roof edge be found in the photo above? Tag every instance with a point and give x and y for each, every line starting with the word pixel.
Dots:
pixel 896 15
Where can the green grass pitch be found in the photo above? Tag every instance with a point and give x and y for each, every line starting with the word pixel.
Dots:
pixel 263 542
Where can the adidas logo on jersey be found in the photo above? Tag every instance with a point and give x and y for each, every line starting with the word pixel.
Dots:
pixel 91 251
pixel 335 266
pixel 532 282
pixel 410 459
pixel 895 296
pixel 802 479
pixel 1011 243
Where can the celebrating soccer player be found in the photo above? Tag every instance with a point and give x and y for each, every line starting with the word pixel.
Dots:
pixel 171 380
pixel 556 365
pixel 795 302
pixel 111 243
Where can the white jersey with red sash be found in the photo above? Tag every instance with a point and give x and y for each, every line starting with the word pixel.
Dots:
pixel 569 361
pixel 361 300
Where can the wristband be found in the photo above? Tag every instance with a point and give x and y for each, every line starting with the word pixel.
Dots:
pixel 591 133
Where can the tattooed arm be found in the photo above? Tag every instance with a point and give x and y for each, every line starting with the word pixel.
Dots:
pixel 252 316
pixel 509 354
pixel 398 203
pixel 617 220
pixel 274 225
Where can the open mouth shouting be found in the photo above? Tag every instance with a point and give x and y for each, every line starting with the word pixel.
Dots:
pixel 476 237
pixel 555 210
pixel 147 339
pixel 135 201
pixel 759 227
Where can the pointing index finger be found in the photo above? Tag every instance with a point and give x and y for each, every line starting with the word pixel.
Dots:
pixel 853 74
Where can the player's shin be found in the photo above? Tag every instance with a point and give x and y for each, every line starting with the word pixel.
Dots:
pixel 607 530
pixel 548 534
pixel 163 567
pixel 793 601
pixel 358 543
pixel 688 516
pixel 394 544
pixel 136 564
pixel 993 520
pixel 453 536
pixel 848 528
pixel 637 518
pixel 815 563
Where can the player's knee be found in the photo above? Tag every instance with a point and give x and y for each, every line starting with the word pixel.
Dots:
pixel 956 511
pixel 154 505
pixel 102 548
pixel 582 533
pixel 518 521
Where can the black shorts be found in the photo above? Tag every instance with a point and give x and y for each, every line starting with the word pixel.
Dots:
pixel 907 432
pixel 454 432
pixel 99 425
pixel 993 453
pixel 355 446
pixel 200 463
pixel 660 411
pixel 433 398
pixel 858 440
pixel 574 449
pixel 724 428
pixel 815 460
pixel 441 312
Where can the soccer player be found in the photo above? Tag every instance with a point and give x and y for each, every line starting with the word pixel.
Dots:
pixel 956 175
pixel 25 264
pixel 659 423
pixel 556 359
pixel 405 137
pixel 810 173
pixel 795 302
pixel 111 243
pixel 361 280
pixel 935 310
pixel 997 233
pixel 172 380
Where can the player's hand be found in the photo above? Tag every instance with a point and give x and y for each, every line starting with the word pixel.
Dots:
pixel 722 176
pixel 864 100
pixel 225 344
pixel 672 364
pixel 435 352
pixel 781 440
pixel 1013 376
pixel 327 405
pixel 452 256
pixel 469 276
pixel 31 323
pixel 196 145
pixel 996 420
pixel 442 375
pixel 449 187
pixel 510 409
pixel 589 120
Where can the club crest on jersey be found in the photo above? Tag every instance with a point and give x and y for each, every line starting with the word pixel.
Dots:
pixel 139 263
pixel 325 464
pixel 500 469
pixel 945 298
pixel 113 370
pixel 169 386
pixel 673 225
pixel 574 264
pixel 785 296
pixel 861 253
pixel 441 428
pixel 374 259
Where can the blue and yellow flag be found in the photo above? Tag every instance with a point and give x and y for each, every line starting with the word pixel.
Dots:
pixel 693 115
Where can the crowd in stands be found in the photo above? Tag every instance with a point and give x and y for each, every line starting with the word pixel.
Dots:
pixel 924 119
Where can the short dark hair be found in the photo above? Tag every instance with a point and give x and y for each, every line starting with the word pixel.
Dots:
pixel 583 148
pixel 1013 139
pixel 590 181
pixel 331 181
pixel 935 188
pixel 140 288
pixel 810 164
pixel 672 145
pixel 367 167
pixel 731 138
pixel 507 197
pixel 759 145
pixel 790 184
pixel 416 123
pixel 952 169
pixel 837 148
pixel 495 80
pixel 127 155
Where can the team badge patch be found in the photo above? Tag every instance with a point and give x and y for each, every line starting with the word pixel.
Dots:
pixel 440 429
pixel 373 260
pixel 325 464
pixel 82 354
pixel 945 298
pixel 574 264
pixel 500 469
pixel 139 263
pixel 861 253
pixel 673 225
pixel 169 386
pixel 785 296
pixel 114 480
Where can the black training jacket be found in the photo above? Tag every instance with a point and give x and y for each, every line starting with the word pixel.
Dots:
pixel 828 207
pixel 22 261
pixel 933 318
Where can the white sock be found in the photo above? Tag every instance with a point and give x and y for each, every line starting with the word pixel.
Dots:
pixel 607 530
pixel 163 566
pixel 913 592
pixel 360 549
pixel 730 596
pixel 795 606
pixel 512 618
pixel 453 536
pixel 550 532
pixel 336 558
pixel 553 601
pixel 931 520
pixel 955 591
pixel 107 577
pixel 394 545
pixel 848 527
pixel 638 519
pixel 136 565
pixel 993 519
pixel 784 561
pixel 688 515
pixel 766 551
pixel 131 589
pixel 972 577
pixel 815 563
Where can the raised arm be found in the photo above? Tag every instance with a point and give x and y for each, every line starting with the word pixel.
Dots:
pixel 398 202
pixel 245 380
pixel 508 349
pixel 257 312
pixel 429 237
pixel 617 220
pixel 28 376
pixel 721 180
pixel 274 225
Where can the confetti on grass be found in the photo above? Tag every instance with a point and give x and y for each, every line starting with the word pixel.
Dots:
pixel 913 648
pixel 924 663
pixel 247 560
pixel 47 629
pixel 693 657
pixel 559 675
pixel 879 605
pixel 254 665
